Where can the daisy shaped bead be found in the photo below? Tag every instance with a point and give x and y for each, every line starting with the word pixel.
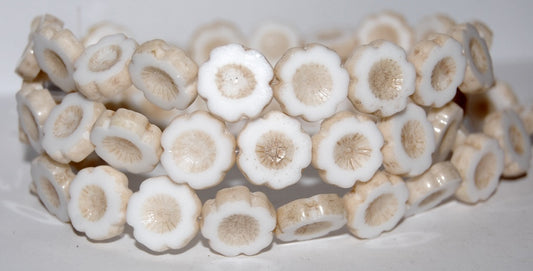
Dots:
pixel 34 104
pixel 98 200
pixel 310 82
pixel 235 82
pixel 212 35
pixel 440 68
pixel 347 149
pixel 409 142
pixel 126 140
pixel 52 181
pixel 381 78
pixel 102 69
pixel 56 49
pixel 165 74
pixel 197 150
pixel 431 24
pixel 272 39
pixel 273 150
pixel 67 129
pixel 479 75
pixel 238 221
pixel 164 214
pixel 385 25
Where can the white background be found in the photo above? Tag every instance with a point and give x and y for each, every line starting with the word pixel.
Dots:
pixel 175 21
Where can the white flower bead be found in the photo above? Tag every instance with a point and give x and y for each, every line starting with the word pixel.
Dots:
pixel 98 200
pixel 272 39
pixel 212 35
pixel 484 32
pixel 238 221
pixel 446 122
pixel 409 142
pixel 385 25
pixel 508 128
pixel 34 104
pixel 310 218
pixel 347 149
pixel 479 75
pixel 56 49
pixel 67 129
pixel 165 74
pixel 52 181
pixel 273 151
pixel 102 69
pixel 235 82
pixel 375 206
pixel 163 214
pixel 197 150
pixel 381 78
pixel 440 67
pixel 311 82
pixel 126 140
pixel 431 188
pixel 435 23
pixel 479 161
pixel 27 66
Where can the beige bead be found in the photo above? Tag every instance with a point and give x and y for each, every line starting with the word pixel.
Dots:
pixel 34 104
pixel 209 36
pixel 431 24
pixel 479 74
pixel 375 206
pixel 386 25
pixel 484 32
pixel 238 221
pixel 446 122
pixel 431 188
pixel 310 218
pixel 507 127
pixel 340 40
pixel 272 39
pixel 52 181
pixel 99 30
pixel 479 161
pixel 126 140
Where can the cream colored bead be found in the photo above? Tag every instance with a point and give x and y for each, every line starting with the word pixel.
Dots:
pixel 375 206
pixel 460 137
pixel 67 129
pixel 479 75
pixel 387 25
pixel 212 35
pixel 479 161
pixel 101 71
pixel 440 67
pixel 409 142
pixel 235 82
pixel 381 78
pixel 27 66
pixel 526 114
pixel 273 150
pixel 310 218
pixel 484 32
pixel 347 149
pixel 340 40
pixel 435 23
pixel 98 201
pixel 165 74
pixel 56 49
pixel 99 30
pixel 238 221
pixel 272 39
pixel 197 150
pixel 499 97
pixel 446 122
pixel 34 104
pixel 52 181
pixel 163 214
pixel 311 82
pixel 431 188
pixel 507 127
pixel 126 140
